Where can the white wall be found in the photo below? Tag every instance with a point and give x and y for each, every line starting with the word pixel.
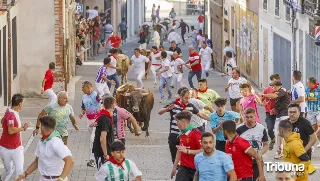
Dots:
pixel 36 42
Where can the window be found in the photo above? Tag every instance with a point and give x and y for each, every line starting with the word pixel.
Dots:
pixel 277 8
pixel 14 47
pixel 265 4
pixel 288 14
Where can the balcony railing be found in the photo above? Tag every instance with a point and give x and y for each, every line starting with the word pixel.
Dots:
pixel 265 5
pixel 309 7
pixel 5 4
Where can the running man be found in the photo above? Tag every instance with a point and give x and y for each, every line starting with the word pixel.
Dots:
pixel 178 71
pixel 200 39
pixel 234 90
pixel 155 63
pixel 101 78
pixel 11 148
pixel 48 82
pixel 115 41
pixel 112 70
pixel 231 64
pixel 205 56
pixel 194 65
pixel 206 95
pixel 165 76
pixel 139 61
pixel 298 92
pixel 91 108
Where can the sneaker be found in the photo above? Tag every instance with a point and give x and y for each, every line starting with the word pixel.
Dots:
pixel 155 84
pixel 312 149
pixel 162 101
pixel 271 144
pixel 278 157
pixel 207 74
pixel 318 146
pixel 91 163
pixel 172 87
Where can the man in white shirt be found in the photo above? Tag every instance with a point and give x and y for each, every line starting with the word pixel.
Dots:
pixel 298 92
pixel 231 64
pixel 195 100
pixel 200 38
pixel 118 167
pixel 165 76
pixel 139 61
pixel 92 13
pixel 234 90
pixel 108 29
pixel 194 34
pixel 205 54
pixel 53 158
pixel 177 71
pixel 112 70
pixel 227 48
pixel 155 62
pixel 153 14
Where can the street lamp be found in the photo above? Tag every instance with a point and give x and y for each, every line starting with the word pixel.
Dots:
pixel 316 17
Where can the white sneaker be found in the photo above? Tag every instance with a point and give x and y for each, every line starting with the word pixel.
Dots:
pixel 312 149
pixel 162 101
pixel 278 157
pixel 318 146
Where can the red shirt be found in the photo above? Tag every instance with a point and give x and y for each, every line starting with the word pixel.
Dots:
pixel 191 140
pixel 96 35
pixel 49 80
pixel 192 58
pixel 269 108
pixel 201 19
pixel 237 149
pixel 10 141
pixel 115 41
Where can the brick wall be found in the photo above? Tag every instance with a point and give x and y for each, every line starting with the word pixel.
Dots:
pixel 58 27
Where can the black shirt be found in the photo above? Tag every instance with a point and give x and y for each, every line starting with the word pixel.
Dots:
pixel 183 27
pixel 304 128
pixel 104 124
pixel 173 112
pixel 177 49
pixel 281 103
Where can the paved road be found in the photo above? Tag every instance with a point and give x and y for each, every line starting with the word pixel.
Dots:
pixel 150 154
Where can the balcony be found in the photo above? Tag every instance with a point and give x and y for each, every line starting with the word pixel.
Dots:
pixel 309 7
pixel 5 4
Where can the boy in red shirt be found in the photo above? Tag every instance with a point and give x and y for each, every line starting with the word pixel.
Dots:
pixel 242 153
pixel 47 83
pixel 194 65
pixel 189 146
pixel 11 149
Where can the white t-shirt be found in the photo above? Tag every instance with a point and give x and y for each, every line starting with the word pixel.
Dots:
pixel 154 56
pixel 166 63
pixel 111 71
pixel 139 63
pixel 51 155
pixel 297 91
pixel 92 13
pixel 177 62
pixel 200 106
pixel 231 64
pixel 153 11
pixel 205 54
pixel 234 90
pixel 104 172
pixel 200 39
pixel 169 55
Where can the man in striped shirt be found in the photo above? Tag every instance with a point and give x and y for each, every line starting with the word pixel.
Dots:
pixel 101 78
pixel 174 108
pixel 118 168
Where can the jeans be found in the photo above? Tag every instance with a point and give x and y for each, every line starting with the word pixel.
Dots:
pixel 270 120
pixel 182 36
pixel 116 78
pixel 190 76
pixel 12 155
pixel 168 83
pixel 205 69
pixel 123 35
pixel 52 96
pixel 173 141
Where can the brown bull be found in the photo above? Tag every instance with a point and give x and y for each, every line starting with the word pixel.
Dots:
pixel 123 62
pixel 138 102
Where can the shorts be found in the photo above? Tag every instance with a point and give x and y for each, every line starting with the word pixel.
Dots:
pixel 313 117
pixel 233 102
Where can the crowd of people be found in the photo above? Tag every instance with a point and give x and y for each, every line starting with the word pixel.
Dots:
pixel 232 150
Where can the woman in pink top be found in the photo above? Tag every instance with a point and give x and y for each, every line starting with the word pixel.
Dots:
pixel 249 100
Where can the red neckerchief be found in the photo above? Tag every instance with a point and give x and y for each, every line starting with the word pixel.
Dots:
pixel 112 160
pixel 315 87
pixel 201 35
pixel 156 52
pixel 104 112
pixel 176 58
pixel 180 104
pixel 198 98
pixel 113 56
pixel 44 137
pixel 203 90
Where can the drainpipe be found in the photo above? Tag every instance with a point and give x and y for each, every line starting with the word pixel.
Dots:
pixel 294 32
pixel 9 55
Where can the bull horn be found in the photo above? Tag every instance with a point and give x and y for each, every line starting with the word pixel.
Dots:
pixel 127 94
pixel 145 94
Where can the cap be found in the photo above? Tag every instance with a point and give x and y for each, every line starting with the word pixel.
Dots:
pixel 276 83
